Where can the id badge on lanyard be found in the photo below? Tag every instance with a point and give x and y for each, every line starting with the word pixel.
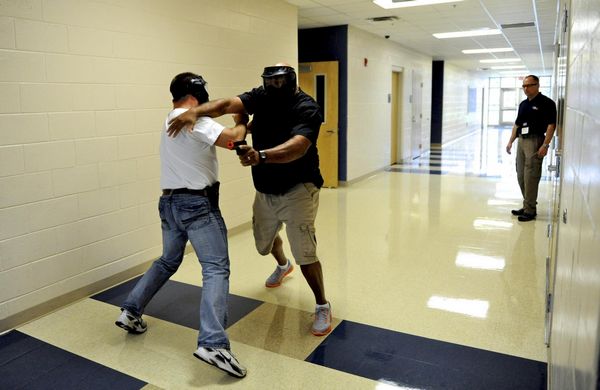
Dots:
pixel 524 129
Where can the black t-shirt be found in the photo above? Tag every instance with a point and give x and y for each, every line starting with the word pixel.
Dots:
pixel 537 114
pixel 274 122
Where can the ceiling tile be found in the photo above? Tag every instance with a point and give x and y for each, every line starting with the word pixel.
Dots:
pixel 416 24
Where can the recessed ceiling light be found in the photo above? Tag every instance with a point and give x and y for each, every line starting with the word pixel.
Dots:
pixel 509 67
pixel 390 4
pixel 469 33
pixel 499 60
pixel 512 72
pixel 496 50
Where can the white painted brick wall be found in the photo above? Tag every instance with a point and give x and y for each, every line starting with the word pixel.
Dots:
pixel 83 96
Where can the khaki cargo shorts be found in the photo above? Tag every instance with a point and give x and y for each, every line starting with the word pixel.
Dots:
pixel 297 209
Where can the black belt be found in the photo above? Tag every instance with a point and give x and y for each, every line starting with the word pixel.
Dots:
pixel 530 136
pixel 202 192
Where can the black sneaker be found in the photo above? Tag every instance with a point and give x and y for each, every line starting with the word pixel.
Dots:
pixel 526 217
pixel 131 323
pixel 221 358
pixel 518 212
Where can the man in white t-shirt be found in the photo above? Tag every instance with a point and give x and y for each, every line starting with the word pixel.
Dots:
pixel 189 210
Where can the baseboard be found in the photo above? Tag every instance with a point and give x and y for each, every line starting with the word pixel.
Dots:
pixel 361 178
pixel 47 307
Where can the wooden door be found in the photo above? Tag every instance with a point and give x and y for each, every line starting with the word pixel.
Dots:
pixel 396 118
pixel 320 80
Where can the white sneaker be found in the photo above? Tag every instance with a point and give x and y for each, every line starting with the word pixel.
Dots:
pixel 221 358
pixel 131 323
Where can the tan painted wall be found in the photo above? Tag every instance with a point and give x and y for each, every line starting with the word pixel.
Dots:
pixel 83 94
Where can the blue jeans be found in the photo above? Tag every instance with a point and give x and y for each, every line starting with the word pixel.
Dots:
pixel 198 219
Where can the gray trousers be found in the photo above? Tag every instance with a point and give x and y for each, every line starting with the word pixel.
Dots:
pixel 529 171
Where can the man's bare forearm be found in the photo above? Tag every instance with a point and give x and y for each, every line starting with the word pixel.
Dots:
pixel 219 107
pixel 213 108
pixel 288 151
pixel 549 134
pixel 513 134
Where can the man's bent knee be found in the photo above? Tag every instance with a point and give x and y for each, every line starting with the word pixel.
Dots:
pixel 264 248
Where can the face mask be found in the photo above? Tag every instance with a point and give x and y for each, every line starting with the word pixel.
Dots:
pixel 279 87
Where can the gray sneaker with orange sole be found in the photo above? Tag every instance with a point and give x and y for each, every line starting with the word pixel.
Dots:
pixel 277 276
pixel 322 323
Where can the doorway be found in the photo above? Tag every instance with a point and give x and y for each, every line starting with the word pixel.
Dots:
pixel 396 122
pixel 320 80
pixel 417 114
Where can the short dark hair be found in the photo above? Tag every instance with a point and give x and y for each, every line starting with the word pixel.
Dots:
pixel 188 83
pixel 537 80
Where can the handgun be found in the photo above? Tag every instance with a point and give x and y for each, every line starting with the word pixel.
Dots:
pixel 236 145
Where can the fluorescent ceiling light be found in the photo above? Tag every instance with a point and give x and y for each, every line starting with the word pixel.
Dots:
pixel 499 60
pixel 495 50
pixel 469 33
pixel 390 4
pixel 512 72
pixel 509 67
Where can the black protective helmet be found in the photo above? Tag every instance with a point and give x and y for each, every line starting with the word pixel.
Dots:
pixel 278 70
pixel 279 80
pixel 189 84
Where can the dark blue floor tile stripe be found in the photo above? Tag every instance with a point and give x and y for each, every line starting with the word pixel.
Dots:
pixel 421 171
pixel 422 363
pixel 423 164
pixel 178 303
pixel 29 363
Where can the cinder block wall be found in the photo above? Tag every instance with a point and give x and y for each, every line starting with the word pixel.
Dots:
pixel 83 95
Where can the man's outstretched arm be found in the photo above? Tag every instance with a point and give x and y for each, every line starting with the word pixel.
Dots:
pixel 213 109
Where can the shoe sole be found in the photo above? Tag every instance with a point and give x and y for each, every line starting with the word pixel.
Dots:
pixel 129 328
pixel 325 332
pixel 283 277
pixel 217 366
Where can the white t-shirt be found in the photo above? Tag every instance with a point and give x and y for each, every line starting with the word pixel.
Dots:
pixel 189 160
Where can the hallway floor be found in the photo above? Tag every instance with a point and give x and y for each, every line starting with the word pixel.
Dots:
pixel 433 285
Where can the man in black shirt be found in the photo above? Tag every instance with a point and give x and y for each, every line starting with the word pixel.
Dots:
pixel 534 126
pixel 285 171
